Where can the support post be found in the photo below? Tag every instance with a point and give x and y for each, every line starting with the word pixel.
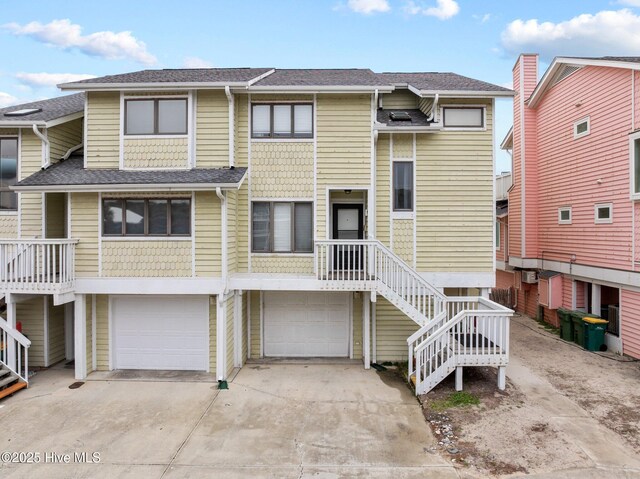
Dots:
pixel 502 377
pixel 485 292
pixel 458 378
pixel 596 291
pixel 221 342
pixel 237 329
pixel 366 325
pixel 80 335
pixel 11 320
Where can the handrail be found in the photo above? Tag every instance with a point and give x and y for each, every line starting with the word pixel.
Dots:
pixel 39 241
pixel 14 333
pixel 15 351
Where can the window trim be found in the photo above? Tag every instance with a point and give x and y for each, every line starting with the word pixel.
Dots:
pixel 403 211
pixel 483 127
pixel 498 232
pixel 293 135
pixel 146 233
pixel 562 209
pixel 598 206
pixel 577 135
pixel 292 250
pixel 632 169
pixel 156 110
pixel 17 138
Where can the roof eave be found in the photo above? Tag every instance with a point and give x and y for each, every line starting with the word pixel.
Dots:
pixel 508 139
pixel 320 88
pixel 157 86
pixel 406 129
pixel 464 93
pixel 127 187
pixel 22 124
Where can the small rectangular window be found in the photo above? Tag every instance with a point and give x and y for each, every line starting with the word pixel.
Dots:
pixel 146 217
pixel 282 227
pixel 564 215
pixel 604 213
pixel 497 234
pixel 167 116
pixel 403 186
pixel 463 117
pixel 581 128
pixel 8 173
pixel 635 147
pixel 280 120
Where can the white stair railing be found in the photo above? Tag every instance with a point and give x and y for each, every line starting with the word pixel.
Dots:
pixel 14 350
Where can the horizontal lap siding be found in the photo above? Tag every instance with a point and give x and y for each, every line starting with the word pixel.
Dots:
pixel 232 231
pixel 530 207
pixel 89 332
pixel 230 336
pixel 85 228
pixel 56 332
pixel 570 168
pixel 455 206
pixel 501 251
pixel 31 314
pixel 245 326
pixel 528 300
pixel 64 136
pixel 504 279
pixel 242 159
pixel 392 330
pixel 56 217
pixel 383 190
pixel 102 332
pixel 102 145
pixel 630 322
pixel 399 99
pixel 254 297
pixel 213 346
pixel 30 203
pixel 515 194
pixel 212 129
pixel 356 312
pixel 208 234
pixel 343 147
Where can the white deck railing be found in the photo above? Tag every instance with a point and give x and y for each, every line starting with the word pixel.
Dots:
pixel 37 265
pixel 477 335
pixel 14 350
pixel 370 264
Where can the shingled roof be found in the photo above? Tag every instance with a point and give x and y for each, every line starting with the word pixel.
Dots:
pixel 72 175
pixel 322 77
pixel 434 82
pixel 47 110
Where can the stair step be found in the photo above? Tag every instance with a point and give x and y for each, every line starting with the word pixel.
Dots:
pixel 8 380
pixel 12 389
pixel 413 380
pixel 4 372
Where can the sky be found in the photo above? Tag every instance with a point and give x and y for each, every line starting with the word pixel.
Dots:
pixel 47 42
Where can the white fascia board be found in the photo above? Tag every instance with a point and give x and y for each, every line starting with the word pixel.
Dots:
pixel 21 124
pixel 466 94
pixel 208 286
pixel 150 86
pixel 507 139
pixel 64 119
pixel 407 129
pixel 45 124
pixel 112 188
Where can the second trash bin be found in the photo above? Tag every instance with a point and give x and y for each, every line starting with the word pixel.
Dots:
pixel 578 327
pixel 594 333
pixel 566 326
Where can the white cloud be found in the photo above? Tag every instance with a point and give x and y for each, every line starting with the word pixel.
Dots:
pixel 50 79
pixel 195 62
pixel 444 10
pixel 369 6
pixel 7 100
pixel 632 3
pixel 68 36
pixel 605 33
pixel 482 18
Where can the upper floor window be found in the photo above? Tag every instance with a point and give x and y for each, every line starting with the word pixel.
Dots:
pixel 8 173
pixel 634 150
pixel 402 186
pixel 564 215
pixel 146 217
pixel 282 227
pixel 581 127
pixel 281 120
pixel 155 116
pixel 604 213
pixel 463 117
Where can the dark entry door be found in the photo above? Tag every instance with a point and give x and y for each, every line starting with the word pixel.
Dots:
pixel 348 224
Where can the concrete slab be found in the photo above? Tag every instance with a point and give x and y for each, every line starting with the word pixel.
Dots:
pixel 153 376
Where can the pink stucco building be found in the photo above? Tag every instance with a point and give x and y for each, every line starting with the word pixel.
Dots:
pixel 574 207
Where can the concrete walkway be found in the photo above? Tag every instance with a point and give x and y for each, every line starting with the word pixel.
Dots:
pixel 275 421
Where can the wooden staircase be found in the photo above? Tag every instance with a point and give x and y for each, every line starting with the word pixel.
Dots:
pixel 10 382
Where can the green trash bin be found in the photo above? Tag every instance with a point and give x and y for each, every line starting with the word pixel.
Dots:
pixel 594 333
pixel 578 327
pixel 566 326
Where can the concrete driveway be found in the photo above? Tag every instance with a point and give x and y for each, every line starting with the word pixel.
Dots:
pixel 276 421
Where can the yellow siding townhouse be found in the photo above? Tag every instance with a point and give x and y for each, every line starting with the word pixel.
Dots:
pixel 196 219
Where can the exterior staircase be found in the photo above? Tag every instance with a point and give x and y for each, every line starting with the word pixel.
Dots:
pixel 14 359
pixel 10 382
pixel 453 331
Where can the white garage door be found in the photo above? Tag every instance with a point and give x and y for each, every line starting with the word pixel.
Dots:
pixel 161 332
pixel 314 324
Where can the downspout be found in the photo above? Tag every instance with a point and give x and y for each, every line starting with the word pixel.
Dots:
pixel 372 196
pixel 223 201
pixel 45 141
pixel 71 150
pixel 434 108
pixel 231 100
pixel 221 312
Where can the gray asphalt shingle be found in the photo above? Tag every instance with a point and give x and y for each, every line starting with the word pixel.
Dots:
pixel 72 172
pixel 322 77
pixel 433 81
pixel 418 118
pixel 52 109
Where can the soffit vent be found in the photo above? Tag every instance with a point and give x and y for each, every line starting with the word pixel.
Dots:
pixel 564 72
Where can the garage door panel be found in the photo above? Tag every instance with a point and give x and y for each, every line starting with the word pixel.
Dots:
pixel 306 324
pixel 161 333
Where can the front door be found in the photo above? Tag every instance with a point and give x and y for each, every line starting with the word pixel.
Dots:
pixel 348 224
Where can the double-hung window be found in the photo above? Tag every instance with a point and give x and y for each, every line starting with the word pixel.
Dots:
pixel 146 217
pixel 8 173
pixel 282 227
pixel 155 116
pixel 403 186
pixel 280 120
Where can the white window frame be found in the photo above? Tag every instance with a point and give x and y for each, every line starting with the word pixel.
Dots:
pixel 498 228
pixel 18 137
pixel 464 128
pixel 603 220
pixel 632 173
pixel 408 213
pixel 577 135
pixel 125 98
pixel 560 211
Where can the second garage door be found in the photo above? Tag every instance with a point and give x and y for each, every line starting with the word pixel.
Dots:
pixel 306 324
pixel 161 332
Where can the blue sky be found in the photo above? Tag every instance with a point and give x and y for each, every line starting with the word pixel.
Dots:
pixel 50 42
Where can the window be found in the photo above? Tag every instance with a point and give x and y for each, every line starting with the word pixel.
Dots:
pixel 167 116
pixel 402 186
pixel 282 227
pixel 8 173
pixel 282 121
pixel 497 234
pixel 146 217
pixel 634 146
pixel 564 215
pixel 604 213
pixel 581 128
pixel 463 117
